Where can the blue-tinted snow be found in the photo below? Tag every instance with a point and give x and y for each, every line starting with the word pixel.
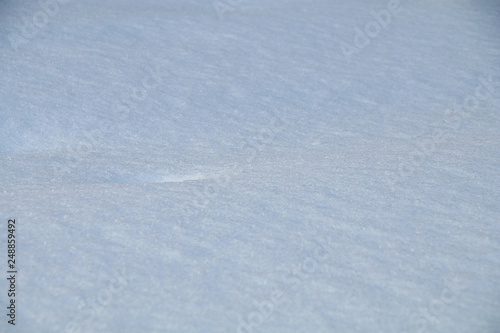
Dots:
pixel 226 166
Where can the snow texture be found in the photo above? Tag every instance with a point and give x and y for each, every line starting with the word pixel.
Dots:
pixel 251 166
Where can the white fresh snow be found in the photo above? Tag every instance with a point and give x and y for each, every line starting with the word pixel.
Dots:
pixel 199 166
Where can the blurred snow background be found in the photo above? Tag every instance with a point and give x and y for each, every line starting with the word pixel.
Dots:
pixel 252 166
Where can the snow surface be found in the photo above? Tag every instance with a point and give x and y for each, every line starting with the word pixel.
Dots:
pixel 199 166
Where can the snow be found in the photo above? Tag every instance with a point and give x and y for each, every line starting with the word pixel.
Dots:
pixel 251 166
